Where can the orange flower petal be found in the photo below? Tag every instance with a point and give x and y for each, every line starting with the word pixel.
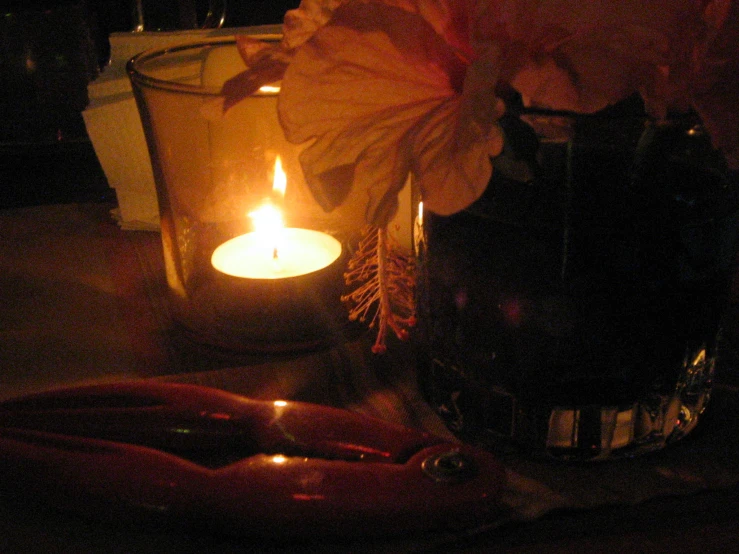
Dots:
pixel 582 56
pixel 300 24
pixel 266 63
pixel 366 89
pixel 716 94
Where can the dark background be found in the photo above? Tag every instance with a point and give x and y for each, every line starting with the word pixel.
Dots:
pixel 49 51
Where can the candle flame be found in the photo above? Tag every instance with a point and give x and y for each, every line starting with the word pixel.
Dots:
pixel 279 181
pixel 267 218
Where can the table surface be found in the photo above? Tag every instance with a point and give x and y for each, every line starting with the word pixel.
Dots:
pixel 83 302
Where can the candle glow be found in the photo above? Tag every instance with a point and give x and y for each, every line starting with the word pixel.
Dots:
pixel 267 219
pixel 273 251
pixel 279 180
pixel 301 251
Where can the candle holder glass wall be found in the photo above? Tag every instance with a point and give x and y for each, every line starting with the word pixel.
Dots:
pixel 211 170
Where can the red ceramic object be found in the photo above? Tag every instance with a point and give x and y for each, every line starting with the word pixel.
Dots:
pixel 191 454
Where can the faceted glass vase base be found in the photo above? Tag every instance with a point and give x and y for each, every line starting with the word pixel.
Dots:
pixel 587 432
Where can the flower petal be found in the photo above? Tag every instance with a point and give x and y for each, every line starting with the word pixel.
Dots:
pixel 370 157
pixel 716 94
pixel 301 23
pixel 266 63
pixel 452 164
pixel 454 145
pixel 366 88
pixel 600 50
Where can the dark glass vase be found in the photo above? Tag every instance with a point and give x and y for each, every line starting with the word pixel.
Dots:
pixel 577 312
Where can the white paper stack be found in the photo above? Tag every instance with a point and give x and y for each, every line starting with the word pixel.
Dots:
pixel 114 126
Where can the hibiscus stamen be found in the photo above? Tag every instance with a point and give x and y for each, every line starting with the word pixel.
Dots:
pixel 386 293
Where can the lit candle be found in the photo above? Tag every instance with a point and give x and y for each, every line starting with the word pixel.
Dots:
pixel 295 252
pixel 273 251
pixel 277 288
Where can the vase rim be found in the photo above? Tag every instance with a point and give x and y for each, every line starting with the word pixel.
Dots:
pixel 137 73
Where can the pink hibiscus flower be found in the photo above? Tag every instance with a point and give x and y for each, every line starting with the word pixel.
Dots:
pixel 384 88
pixel 380 89
pixel 382 93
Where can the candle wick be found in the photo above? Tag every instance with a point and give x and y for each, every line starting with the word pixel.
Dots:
pixel 274 253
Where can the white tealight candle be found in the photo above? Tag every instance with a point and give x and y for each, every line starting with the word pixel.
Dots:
pixel 273 251
pixel 293 252
pixel 277 287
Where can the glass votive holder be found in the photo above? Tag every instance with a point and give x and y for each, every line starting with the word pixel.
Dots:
pixel 211 171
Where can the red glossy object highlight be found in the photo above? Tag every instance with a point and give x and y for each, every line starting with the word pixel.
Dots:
pixel 184 453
